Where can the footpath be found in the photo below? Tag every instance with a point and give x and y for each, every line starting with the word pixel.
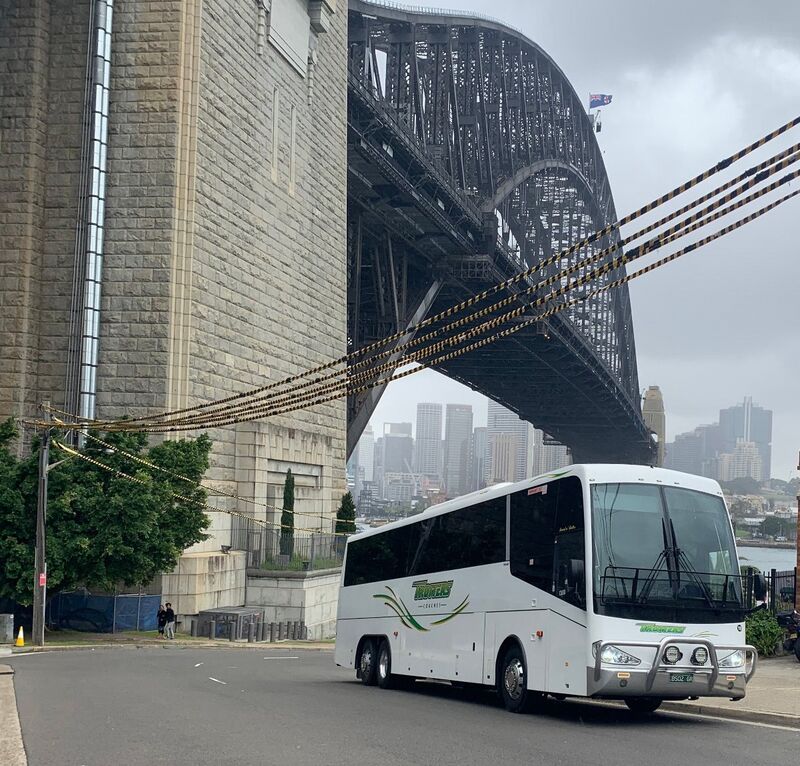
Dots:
pixel 773 696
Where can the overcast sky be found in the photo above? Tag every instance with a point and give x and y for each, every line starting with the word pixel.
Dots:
pixel 692 82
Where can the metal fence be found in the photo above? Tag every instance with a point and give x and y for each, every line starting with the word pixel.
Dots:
pixel 270 550
pixel 96 613
pixel 781 589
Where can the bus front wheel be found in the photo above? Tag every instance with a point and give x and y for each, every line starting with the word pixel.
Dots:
pixel 643 704
pixel 384 667
pixel 367 663
pixel 512 682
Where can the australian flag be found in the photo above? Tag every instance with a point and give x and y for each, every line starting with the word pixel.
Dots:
pixel 598 99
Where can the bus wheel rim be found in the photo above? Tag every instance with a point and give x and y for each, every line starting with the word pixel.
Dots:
pixel 513 679
pixel 366 662
pixel 383 664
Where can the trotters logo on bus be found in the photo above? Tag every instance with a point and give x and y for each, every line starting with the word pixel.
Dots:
pixel 424 590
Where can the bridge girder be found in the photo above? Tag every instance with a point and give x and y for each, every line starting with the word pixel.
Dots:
pixel 455 124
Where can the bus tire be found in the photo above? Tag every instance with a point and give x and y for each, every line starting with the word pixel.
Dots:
pixel 367 663
pixel 383 667
pixel 641 705
pixel 512 681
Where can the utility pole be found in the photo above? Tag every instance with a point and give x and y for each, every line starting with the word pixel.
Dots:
pixel 40 562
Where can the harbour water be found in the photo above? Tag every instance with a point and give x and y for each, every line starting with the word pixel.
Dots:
pixel 767 558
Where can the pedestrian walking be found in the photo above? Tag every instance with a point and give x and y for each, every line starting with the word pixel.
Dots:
pixel 161 618
pixel 169 627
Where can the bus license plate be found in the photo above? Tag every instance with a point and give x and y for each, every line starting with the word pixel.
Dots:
pixel 681 678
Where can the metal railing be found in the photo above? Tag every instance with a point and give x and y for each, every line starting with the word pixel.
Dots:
pixel 270 549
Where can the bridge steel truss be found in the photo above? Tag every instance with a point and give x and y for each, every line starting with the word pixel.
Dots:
pixel 471 158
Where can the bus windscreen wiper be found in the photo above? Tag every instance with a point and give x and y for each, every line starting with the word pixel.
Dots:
pixel 683 564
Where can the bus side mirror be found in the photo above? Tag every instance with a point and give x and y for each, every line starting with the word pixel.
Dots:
pixel 759 586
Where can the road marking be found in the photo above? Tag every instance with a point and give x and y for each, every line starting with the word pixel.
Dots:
pixel 722 719
pixel 198 664
pixel 217 681
pixel 281 658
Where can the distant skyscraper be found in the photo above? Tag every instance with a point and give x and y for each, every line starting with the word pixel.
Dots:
pixel 366 452
pixel 457 438
pixel 428 444
pixel 695 451
pixel 501 421
pixel 478 460
pixel 744 461
pixel 655 419
pixel 750 423
pixel 548 457
pixel 503 457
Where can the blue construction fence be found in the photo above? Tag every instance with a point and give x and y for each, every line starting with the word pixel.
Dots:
pixel 103 614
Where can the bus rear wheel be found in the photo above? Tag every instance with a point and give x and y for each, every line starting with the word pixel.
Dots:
pixel 367 663
pixel 384 667
pixel 512 682
pixel 641 705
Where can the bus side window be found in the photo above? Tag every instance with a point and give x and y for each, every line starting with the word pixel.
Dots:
pixel 533 519
pixel 569 553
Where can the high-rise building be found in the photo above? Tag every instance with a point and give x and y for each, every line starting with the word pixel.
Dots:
pixel 548 456
pixel 478 460
pixel 695 451
pixel 428 443
pixel 503 457
pixel 360 466
pixel 743 462
pixel 457 438
pixel 655 419
pixel 750 423
pixel 500 421
pixel 397 450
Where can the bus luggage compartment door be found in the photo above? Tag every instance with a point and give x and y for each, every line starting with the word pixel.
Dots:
pixel 524 627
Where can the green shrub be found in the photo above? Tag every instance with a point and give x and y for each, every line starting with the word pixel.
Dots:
pixel 763 632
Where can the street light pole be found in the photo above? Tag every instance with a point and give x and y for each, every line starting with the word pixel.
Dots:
pixel 40 561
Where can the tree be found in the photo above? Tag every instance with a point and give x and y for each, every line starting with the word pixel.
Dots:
pixel 287 516
pixel 772 526
pixel 102 529
pixel 346 516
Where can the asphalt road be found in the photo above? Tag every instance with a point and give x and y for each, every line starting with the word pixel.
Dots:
pixel 243 706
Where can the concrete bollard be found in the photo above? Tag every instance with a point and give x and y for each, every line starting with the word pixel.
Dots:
pixel 261 629
pixel 232 630
pixel 212 629
pixel 251 632
pixel 305 632
pixel 295 630
pixel 273 633
pixel 193 628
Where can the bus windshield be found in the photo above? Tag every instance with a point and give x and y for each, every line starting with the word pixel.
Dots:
pixel 663 553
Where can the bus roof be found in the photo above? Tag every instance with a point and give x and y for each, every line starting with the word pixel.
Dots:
pixel 600 473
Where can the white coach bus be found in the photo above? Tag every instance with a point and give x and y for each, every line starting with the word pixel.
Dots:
pixel 490 589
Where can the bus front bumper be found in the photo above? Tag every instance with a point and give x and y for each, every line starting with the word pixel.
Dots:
pixel 670 681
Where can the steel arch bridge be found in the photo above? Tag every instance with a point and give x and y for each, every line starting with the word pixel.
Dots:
pixel 471 158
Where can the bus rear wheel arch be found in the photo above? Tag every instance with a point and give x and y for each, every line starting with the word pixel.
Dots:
pixel 512 678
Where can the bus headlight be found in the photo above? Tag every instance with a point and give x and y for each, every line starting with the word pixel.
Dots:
pixel 672 654
pixel 613 655
pixel 700 656
pixel 732 660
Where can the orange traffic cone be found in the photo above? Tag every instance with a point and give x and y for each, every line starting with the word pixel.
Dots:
pixel 20 638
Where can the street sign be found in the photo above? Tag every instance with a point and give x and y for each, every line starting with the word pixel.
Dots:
pixel 42 579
